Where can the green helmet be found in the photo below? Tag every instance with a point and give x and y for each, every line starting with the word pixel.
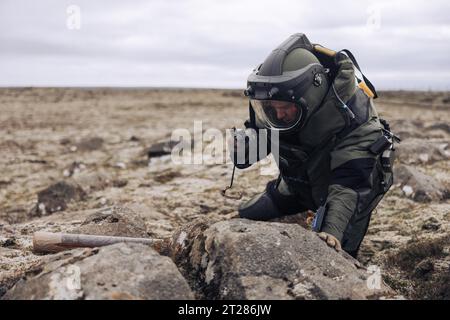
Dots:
pixel 288 85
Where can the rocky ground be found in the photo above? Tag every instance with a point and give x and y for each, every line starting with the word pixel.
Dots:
pixel 88 161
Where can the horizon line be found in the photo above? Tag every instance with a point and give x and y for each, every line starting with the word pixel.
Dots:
pixel 113 87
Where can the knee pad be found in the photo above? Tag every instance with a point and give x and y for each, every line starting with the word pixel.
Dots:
pixel 270 204
pixel 286 204
pixel 260 207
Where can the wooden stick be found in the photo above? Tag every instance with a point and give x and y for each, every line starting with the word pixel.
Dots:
pixel 45 242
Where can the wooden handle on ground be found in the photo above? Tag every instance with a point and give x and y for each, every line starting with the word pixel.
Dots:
pixel 45 242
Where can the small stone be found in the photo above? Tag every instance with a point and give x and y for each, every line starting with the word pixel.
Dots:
pixel 119 183
pixel 74 168
pixel 8 242
pixel 164 148
pixel 5 182
pixel 93 180
pixel 64 141
pixel 120 165
pixel 90 144
pixel 423 268
pixel 431 224
pixel 41 207
pixel 407 190
pixel 424 157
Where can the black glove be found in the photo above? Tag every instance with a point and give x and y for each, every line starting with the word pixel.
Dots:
pixel 245 147
pixel 287 204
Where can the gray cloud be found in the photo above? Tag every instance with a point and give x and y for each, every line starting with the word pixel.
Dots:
pixel 203 43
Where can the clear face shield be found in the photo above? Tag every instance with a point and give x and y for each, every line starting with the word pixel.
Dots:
pixel 277 114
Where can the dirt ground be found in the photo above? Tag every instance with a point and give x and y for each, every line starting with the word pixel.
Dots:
pixel 100 138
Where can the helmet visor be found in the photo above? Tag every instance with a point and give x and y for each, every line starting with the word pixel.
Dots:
pixel 277 114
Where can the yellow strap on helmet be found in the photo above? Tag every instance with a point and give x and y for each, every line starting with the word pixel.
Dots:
pixel 325 51
pixel 332 53
pixel 366 89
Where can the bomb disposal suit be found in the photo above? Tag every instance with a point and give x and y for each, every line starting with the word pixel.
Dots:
pixel 335 155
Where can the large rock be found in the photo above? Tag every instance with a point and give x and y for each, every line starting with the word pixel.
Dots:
pixel 93 180
pixel 114 221
pixel 414 151
pixel 243 259
pixel 120 271
pixel 406 128
pixel 444 126
pixel 56 197
pixel 90 144
pixel 160 149
pixel 419 186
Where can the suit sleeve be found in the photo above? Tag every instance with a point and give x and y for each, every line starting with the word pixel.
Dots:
pixel 352 167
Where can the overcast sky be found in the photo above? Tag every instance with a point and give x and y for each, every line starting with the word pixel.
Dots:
pixel 205 43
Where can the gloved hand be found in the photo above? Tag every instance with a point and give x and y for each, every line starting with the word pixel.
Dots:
pixel 330 240
pixel 239 141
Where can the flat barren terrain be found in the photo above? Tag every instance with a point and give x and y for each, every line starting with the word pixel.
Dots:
pixel 101 139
